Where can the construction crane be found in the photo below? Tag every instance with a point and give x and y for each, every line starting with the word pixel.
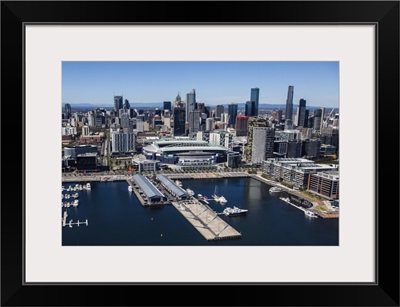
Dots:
pixel 325 121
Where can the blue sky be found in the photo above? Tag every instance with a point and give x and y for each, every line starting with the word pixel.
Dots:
pixel 214 82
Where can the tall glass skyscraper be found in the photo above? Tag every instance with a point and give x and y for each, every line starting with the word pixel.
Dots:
pixel 118 104
pixel 179 121
pixel 254 96
pixel 67 110
pixel 190 101
pixel 289 104
pixel 232 113
pixel 301 114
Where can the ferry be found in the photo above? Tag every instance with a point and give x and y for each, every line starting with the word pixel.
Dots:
pixel 234 211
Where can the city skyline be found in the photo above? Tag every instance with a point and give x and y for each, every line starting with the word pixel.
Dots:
pixel 214 82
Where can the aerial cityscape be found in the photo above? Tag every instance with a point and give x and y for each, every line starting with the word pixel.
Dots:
pixel 200 153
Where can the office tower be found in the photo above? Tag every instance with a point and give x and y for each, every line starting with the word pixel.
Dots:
pixel 194 122
pixel 294 149
pixel 117 103
pixel 279 115
pixel 157 112
pixel 167 105
pixel 317 119
pixel 311 148
pixel 322 118
pixel 249 108
pixel 125 121
pixel 127 105
pixel 67 111
pixel 307 113
pixel 254 96
pixel 190 101
pixel 232 113
pixel 219 110
pixel 209 123
pixel 179 121
pixel 289 104
pixel 241 125
pixel 262 146
pixel 301 113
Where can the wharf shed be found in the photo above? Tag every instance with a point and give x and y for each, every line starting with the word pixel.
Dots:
pixel 170 186
pixel 151 192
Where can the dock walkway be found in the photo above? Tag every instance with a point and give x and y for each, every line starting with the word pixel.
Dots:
pixel 206 221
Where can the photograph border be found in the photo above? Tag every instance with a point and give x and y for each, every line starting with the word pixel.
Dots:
pixel 15 15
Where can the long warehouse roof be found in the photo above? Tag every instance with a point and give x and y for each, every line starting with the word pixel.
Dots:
pixel 148 188
pixel 178 191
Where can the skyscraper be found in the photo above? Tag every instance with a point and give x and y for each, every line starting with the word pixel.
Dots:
pixel 190 101
pixel 67 110
pixel 194 122
pixel 167 105
pixel 219 110
pixel 117 103
pixel 249 108
pixel 232 113
pixel 254 96
pixel 179 121
pixel 301 114
pixel 262 146
pixel 289 104
pixel 127 105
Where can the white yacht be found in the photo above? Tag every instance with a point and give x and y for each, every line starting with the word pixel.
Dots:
pixel 310 214
pixel 88 186
pixel 234 211
pixel 130 188
pixel 275 190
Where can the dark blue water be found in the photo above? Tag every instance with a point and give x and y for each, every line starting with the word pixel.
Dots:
pixel 117 218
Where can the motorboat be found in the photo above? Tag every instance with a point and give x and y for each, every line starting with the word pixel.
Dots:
pixel 275 190
pixel 310 214
pixel 234 211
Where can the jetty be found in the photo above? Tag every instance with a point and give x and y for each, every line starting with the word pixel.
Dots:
pixel 205 220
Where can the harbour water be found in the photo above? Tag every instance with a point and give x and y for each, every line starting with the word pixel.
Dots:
pixel 115 218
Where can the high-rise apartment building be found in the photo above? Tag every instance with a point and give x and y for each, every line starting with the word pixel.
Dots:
pixel 122 142
pixel 254 96
pixel 255 122
pixel 262 146
pixel 190 101
pixel 289 104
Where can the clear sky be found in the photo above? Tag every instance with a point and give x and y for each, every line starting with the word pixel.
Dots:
pixel 215 82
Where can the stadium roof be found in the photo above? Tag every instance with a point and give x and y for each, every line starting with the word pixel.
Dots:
pixel 148 188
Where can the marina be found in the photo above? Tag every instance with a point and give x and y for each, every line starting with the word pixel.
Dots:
pixel 118 217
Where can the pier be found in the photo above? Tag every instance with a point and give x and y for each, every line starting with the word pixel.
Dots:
pixel 205 220
pixel 71 223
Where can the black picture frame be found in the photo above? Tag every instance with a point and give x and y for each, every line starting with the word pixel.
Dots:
pixel 383 14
